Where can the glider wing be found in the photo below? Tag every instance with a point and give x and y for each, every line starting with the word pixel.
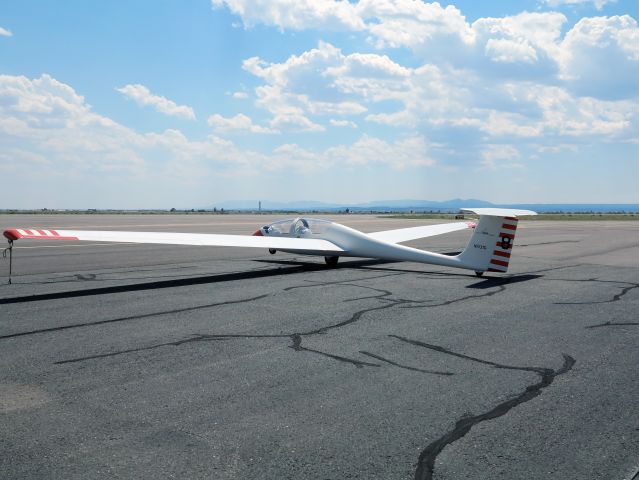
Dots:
pixel 166 238
pixel 413 233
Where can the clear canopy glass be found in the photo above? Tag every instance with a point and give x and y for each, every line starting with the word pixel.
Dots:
pixel 297 226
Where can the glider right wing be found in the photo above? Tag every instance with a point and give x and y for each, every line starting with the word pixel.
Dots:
pixel 166 238
pixel 413 233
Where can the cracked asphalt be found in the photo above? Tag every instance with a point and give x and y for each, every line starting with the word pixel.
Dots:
pixel 134 361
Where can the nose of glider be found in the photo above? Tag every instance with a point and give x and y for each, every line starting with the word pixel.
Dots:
pixel 258 233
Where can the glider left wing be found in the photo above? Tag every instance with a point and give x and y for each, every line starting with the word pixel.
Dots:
pixel 413 233
pixel 166 238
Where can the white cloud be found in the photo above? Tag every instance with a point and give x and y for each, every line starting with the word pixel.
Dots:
pixel 46 123
pixel 5 33
pixel 324 81
pixel 595 48
pixel 238 123
pixel 599 4
pixel 50 120
pixel 365 65
pixel 503 50
pixel 302 86
pixel 409 23
pixel 240 95
pixel 367 150
pixel 295 14
pixel 342 123
pixel 497 156
pixel 295 122
pixel 530 38
pixel 142 96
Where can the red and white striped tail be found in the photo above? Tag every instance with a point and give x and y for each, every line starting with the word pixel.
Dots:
pixel 491 245
pixel 35 233
pixel 501 253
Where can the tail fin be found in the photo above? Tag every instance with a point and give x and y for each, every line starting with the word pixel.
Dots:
pixel 491 245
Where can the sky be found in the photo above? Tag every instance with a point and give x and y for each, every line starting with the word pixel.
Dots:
pixel 161 104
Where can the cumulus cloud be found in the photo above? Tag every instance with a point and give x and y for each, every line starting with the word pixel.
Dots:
pixel 483 91
pixel 597 46
pixel 295 122
pixel 295 14
pixel 238 123
pixel 302 86
pixel 403 153
pixel 503 50
pixel 599 4
pixel 366 151
pixel 408 23
pixel 496 156
pixel 527 37
pixel 429 29
pixel 5 33
pixel 143 97
pixel 520 77
pixel 342 123
pixel 50 120
pixel 47 123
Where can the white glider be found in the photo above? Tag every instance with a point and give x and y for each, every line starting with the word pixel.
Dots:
pixel 489 248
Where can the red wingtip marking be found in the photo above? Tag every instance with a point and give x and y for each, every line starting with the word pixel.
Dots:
pixel 258 233
pixel 12 234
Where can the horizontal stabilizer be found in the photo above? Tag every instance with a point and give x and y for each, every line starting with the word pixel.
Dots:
pixel 499 212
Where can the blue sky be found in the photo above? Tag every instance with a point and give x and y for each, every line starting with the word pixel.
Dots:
pixel 187 104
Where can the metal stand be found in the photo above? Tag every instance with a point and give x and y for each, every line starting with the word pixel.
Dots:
pixel 4 255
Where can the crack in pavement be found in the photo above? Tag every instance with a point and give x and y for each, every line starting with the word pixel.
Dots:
pixel 201 337
pixel 338 282
pixel 297 346
pixel 204 337
pixel 631 286
pixel 500 288
pixel 415 369
pixel 120 352
pixel 426 461
pixel 383 296
pixel 427 458
pixel 545 243
pixel 160 284
pixel 613 324
pixel 132 317
pixel 552 269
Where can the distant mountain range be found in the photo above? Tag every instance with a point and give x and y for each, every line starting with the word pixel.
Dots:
pixel 418 206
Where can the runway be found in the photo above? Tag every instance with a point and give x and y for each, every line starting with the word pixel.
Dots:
pixel 150 361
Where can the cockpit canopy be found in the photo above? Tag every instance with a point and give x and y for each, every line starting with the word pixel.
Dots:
pixel 296 227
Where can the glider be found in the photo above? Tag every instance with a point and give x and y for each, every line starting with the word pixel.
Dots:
pixel 489 248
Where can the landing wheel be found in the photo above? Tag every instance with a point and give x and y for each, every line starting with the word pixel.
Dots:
pixel 331 261
pixel 272 251
pixel 479 274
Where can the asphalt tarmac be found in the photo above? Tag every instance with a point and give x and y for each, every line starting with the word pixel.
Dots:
pixel 137 361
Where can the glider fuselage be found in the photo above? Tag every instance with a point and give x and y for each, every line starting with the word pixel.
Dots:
pixel 353 242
